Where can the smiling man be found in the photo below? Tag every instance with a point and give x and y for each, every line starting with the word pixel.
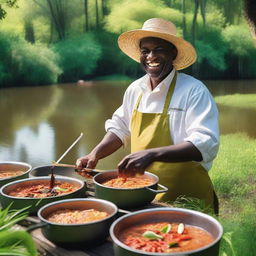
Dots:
pixel 170 118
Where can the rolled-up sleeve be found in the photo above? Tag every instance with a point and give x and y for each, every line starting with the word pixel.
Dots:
pixel 202 126
pixel 119 125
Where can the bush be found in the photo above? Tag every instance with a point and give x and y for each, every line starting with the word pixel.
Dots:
pixel 22 63
pixel 78 56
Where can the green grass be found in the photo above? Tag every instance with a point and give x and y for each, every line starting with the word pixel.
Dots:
pixel 237 100
pixel 234 178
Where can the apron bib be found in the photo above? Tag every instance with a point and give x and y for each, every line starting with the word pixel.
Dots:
pixel 151 130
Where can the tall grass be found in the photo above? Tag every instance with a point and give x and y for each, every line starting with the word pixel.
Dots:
pixel 234 178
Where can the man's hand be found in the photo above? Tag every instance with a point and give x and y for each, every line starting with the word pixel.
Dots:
pixel 88 161
pixel 136 163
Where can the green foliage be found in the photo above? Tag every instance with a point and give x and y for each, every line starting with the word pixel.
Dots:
pixel 211 47
pixel 23 63
pixel 4 4
pixel 78 56
pixel 14 242
pixel 131 14
pixel 192 204
pixel 233 35
pixel 215 18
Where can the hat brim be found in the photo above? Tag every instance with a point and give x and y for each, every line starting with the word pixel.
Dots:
pixel 129 43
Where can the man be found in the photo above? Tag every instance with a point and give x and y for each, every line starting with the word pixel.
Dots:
pixel 170 118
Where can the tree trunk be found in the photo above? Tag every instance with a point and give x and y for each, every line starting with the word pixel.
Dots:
pixel 194 21
pixel 104 7
pixel 58 14
pixel 97 14
pixel 184 23
pixel 29 31
pixel 86 16
pixel 203 10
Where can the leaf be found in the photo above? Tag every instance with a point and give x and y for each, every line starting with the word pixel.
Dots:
pixel 172 244
pixel 166 229
pixel 151 235
pixel 181 228
pixel 11 240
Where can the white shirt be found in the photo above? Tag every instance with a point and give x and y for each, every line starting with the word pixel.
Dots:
pixel 192 110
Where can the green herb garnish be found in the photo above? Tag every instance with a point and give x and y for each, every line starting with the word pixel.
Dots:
pixel 173 244
pixel 166 229
pixel 151 235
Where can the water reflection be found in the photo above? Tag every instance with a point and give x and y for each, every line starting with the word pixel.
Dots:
pixel 40 123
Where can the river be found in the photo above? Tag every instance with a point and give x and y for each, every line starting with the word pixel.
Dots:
pixel 39 123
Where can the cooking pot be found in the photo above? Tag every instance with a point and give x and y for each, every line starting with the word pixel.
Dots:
pixel 45 170
pixel 166 214
pixel 124 197
pixel 14 166
pixel 36 203
pixel 85 233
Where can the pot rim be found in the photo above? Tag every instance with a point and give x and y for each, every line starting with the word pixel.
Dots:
pixel 119 243
pixel 17 163
pixel 124 189
pixel 81 183
pixel 74 200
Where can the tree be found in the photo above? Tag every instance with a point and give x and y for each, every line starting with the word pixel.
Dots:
pixel 86 16
pixel 4 4
pixel 202 5
pixel 59 15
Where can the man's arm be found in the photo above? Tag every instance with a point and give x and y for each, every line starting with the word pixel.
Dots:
pixel 108 145
pixel 139 161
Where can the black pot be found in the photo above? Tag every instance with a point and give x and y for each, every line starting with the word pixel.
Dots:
pixel 36 203
pixel 45 170
pixel 176 215
pixel 124 197
pixel 87 233
pixel 14 166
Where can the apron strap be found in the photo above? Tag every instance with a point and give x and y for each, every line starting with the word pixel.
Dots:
pixel 169 94
pixel 167 99
pixel 138 102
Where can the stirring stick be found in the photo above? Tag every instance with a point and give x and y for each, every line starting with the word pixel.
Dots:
pixel 74 166
pixel 52 181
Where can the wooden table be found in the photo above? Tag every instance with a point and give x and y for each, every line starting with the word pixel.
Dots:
pixel 47 248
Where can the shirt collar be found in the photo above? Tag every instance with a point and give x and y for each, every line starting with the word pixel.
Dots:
pixel 146 86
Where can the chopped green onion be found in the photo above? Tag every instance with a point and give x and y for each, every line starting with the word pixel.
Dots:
pixel 61 189
pixel 181 228
pixel 151 235
pixel 166 229
pixel 173 244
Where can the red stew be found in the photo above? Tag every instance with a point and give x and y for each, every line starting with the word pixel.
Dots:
pixel 129 182
pixel 70 216
pixel 42 190
pixel 9 173
pixel 165 237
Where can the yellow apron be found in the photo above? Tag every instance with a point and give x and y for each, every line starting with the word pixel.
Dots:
pixel 151 130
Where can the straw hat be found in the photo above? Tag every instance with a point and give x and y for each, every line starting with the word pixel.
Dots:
pixel 129 41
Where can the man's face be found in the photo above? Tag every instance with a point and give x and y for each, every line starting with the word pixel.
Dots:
pixel 156 57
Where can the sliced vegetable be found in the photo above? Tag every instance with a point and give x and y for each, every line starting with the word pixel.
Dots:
pixel 166 229
pixel 181 228
pixel 61 189
pixel 173 244
pixel 151 235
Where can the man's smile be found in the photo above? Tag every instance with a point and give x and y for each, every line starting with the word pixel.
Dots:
pixel 153 64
